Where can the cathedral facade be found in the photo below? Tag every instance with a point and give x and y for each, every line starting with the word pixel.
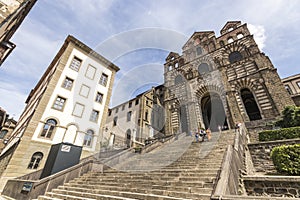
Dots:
pixel 218 82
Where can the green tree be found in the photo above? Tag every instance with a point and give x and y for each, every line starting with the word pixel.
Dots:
pixel 290 117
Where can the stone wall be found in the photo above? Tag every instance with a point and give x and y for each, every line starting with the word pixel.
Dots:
pixel 260 153
pixel 273 186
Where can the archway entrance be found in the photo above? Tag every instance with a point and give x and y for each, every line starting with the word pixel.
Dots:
pixel 128 138
pixel 250 105
pixel 213 112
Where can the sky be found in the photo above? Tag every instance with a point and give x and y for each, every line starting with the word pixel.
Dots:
pixel 137 35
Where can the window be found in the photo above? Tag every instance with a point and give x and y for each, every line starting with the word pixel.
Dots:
pixel 59 103
pixel 235 57
pixel 130 104
pixel 68 83
pixel 137 102
pixel 129 116
pixel 75 64
pixel 170 67
pixel 94 116
pixel 3 133
pixel 199 51
pixel 146 115
pixel 99 97
pixel 222 43
pixel 288 89
pixel 123 107
pixel 103 79
pixel 115 121
pixel 109 112
pixel 230 40
pixel 178 79
pixel 203 68
pixel 88 138
pixel 176 65
pixel 240 35
pixel 48 128
pixel 250 105
pixel 117 110
pixel 35 160
pixel 298 83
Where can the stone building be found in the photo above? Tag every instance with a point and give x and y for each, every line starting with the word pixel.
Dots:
pixel 12 13
pixel 7 125
pixel 136 120
pixel 220 81
pixel 292 85
pixel 69 104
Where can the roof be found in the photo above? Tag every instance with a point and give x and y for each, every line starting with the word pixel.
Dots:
pixel 289 78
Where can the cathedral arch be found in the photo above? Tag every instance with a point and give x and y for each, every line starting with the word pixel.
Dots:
pixel 250 104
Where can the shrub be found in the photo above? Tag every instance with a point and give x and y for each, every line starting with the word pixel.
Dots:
pixel 286 159
pixel 290 117
pixel 280 134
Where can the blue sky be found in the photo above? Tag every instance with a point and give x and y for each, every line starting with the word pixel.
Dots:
pixel 97 23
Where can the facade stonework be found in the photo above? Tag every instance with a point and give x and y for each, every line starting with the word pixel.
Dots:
pixel 220 81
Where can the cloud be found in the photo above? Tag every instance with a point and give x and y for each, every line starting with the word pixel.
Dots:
pixel 259 34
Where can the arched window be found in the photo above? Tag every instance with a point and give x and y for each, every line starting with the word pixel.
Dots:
pixel 199 51
pixel 176 65
pixel 230 40
pixel 178 79
pixel 203 68
pixel 222 43
pixel 88 138
pixel 250 104
pixel 3 133
pixel 235 57
pixel 35 160
pixel 48 128
pixel 239 35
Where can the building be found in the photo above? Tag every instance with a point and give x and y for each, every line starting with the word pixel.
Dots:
pixel 7 125
pixel 292 85
pixel 68 104
pixel 12 14
pixel 220 81
pixel 136 120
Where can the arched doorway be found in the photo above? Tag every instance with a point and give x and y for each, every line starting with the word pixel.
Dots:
pixel 213 112
pixel 250 105
pixel 128 138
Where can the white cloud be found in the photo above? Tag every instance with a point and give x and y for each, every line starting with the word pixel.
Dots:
pixel 259 34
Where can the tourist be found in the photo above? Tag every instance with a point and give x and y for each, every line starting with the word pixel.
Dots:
pixel 208 133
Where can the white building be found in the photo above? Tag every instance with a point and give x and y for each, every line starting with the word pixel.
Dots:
pixel 69 104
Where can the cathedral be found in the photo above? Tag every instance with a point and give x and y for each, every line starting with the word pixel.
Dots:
pixel 218 82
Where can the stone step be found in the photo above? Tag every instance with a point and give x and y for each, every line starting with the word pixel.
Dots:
pixel 194 189
pixel 135 195
pixel 146 190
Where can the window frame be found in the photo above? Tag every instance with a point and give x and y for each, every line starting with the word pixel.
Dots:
pixel 103 81
pixel 92 119
pixel 88 138
pixel 51 128
pixel 63 85
pixel 63 106
pixel 35 160
pixel 73 67
pixel 96 98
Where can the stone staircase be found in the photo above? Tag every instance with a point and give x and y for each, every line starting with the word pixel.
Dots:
pixel 181 170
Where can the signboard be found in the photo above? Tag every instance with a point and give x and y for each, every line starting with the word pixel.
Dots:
pixel 65 148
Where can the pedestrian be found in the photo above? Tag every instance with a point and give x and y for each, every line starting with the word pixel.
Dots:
pixel 197 136
pixel 208 133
